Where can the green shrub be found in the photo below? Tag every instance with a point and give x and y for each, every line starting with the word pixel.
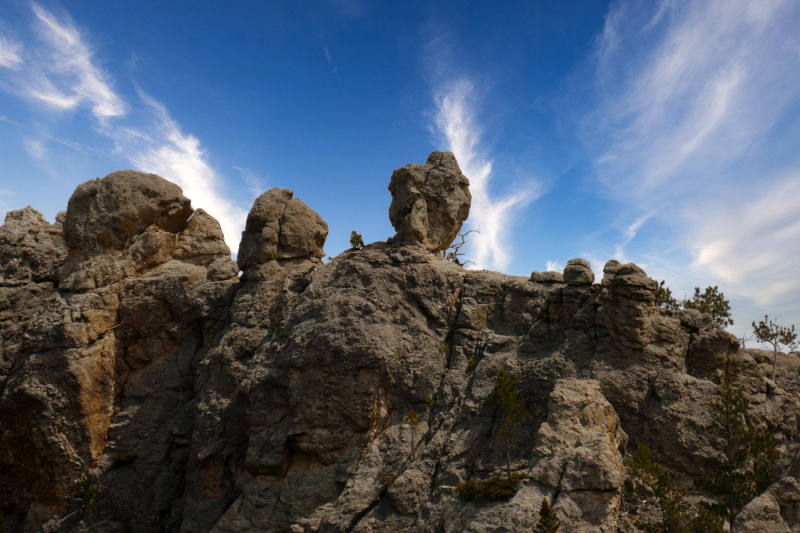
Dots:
pixel 87 494
pixel 356 241
pixel 494 488
pixel 548 521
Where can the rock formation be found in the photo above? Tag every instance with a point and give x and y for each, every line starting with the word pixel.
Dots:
pixel 202 400
pixel 430 202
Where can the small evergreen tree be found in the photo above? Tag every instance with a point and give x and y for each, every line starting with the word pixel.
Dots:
pixel 412 419
pixel 676 515
pixel 669 498
pixel 356 241
pixel 664 298
pixel 712 302
pixel 548 520
pixel 87 494
pixel 512 403
pixel 768 331
pixel 746 457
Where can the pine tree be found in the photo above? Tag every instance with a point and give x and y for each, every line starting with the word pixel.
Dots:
pixel 87 494
pixel 664 298
pixel 711 302
pixel 676 515
pixel 356 241
pixel 670 498
pixel 768 331
pixel 746 457
pixel 548 520
pixel 512 403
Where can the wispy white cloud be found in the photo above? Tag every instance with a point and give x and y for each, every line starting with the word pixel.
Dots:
pixel 9 53
pixel 62 73
pixel 697 125
pixel 34 148
pixel 553 266
pixel 456 123
pixel 59 69
pixel 254 184
pixel 628 234
pixel 329 59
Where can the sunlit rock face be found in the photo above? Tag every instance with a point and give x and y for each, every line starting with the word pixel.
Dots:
pixel 280 231
pixel 430 202
pixel 202 399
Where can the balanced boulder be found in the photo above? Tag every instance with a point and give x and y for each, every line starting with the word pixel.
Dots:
pixel 430 202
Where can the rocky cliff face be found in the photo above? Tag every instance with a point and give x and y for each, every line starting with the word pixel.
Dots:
pixel 205 400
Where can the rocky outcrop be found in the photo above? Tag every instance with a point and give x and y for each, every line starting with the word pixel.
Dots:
pixel 32 250
pixel 280 231
pixel 430 202
pixel 32 253
pixel 278 401
pixel 112 343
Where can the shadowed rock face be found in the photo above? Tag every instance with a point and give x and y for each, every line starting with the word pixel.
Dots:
pixel 430 202
pixel 203 401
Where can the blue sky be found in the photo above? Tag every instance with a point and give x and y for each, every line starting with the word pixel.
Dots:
pixel 666 133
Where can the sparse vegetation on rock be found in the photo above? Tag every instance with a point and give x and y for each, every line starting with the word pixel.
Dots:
pixel 548 520
pixel 87 495
pixel 356 241
pixel 770 332
pixel 511 402
pixel 676 515
pixel 494 488
pixel 413 420
pixel 746 454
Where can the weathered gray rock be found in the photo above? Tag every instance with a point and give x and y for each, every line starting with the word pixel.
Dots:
pixel 201 241
pixel 280 230
pixel 106 213
pixel 547 277
pixel 31 249
pixel 775 511
pixel 430 202
pixel 579 454
pixel 578 272
pixel 276 401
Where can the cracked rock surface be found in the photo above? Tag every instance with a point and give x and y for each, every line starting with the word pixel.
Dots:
pixel 205 401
